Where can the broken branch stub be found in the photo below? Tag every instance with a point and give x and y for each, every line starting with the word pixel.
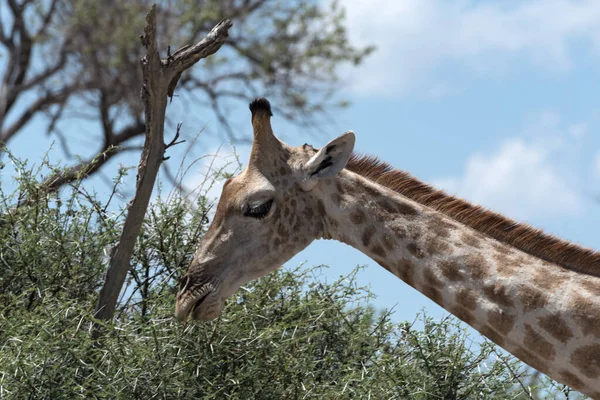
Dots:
pixel 160 78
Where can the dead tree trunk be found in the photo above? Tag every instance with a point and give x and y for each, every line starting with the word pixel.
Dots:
pixel 160 79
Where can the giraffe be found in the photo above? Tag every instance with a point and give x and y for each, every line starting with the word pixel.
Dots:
pixel 535 295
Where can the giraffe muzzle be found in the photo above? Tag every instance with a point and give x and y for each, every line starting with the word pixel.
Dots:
pixel 199 304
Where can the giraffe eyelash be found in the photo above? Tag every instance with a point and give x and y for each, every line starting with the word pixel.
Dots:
pixel 259 211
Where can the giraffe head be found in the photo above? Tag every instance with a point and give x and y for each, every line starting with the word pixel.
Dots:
pixel 268 213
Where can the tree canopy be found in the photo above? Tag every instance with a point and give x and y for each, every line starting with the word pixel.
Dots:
pixel 288 335
pixel 68 61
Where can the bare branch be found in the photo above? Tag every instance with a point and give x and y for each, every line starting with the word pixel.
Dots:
pixel 79 170
pixel 160 78
pixel 47 73
pixel 269 68
pixel 187 56
pixel 39 105
pixel 47 18
pixel 174 141
pixel 129 132
pixel 3 38
pixel 107 125
pixel 20 54
pixel 54 117
pixel 62 141
pixel 89 167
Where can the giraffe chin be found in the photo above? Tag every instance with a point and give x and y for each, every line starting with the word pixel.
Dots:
pixel 207 308
pixel 200 307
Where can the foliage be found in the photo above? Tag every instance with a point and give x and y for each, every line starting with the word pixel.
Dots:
pixel 66 62
pixel 288 335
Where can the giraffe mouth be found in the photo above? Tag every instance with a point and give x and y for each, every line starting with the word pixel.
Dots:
pixel 197 304
pixel 192 304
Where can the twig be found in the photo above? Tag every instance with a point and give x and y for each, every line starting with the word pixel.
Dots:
pixel 174 141
pixel 514 375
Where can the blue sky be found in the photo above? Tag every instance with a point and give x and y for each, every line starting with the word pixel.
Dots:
pixel 495 101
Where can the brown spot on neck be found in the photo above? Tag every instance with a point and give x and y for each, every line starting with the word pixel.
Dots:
pixel 545 279
pixel 357 217
pixel 433 293
pixel 378 251
pixel 571 379
pixel 471 240
pixel 502 322
pixel 462 313
pixel 320 207
pixel 466 298
pixel 451 270
pixel 536 343
pixel 387 205
pixel 585 313
pixel 405 271
pixel 367 235
pixel 415 250
pixel 439 227
pixel 404 208
pixel 308 212
pixel 384 264
pixel 587 360
pixel 498 294
pixel 492 334
pixel 505 265
pixel 476 266
pixel 591 285
pixel 530 358
pixel 532 298
pixel 431 279
pixel 388 242
pixel 556 326
pixel 436 246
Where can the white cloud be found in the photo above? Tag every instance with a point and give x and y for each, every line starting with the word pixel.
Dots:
pixel 414 37
pixel 578 130
pixel 520 179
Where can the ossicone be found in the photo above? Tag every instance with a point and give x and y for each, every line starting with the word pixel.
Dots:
pixel 260 104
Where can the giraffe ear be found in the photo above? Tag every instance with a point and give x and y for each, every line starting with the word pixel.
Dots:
pixel 329 160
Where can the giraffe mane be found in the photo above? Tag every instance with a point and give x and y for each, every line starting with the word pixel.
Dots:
pixel 519 235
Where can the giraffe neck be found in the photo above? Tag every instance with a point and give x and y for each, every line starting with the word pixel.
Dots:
pixel 544 314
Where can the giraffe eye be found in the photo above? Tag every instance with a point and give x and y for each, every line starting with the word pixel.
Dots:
pixel 259 211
